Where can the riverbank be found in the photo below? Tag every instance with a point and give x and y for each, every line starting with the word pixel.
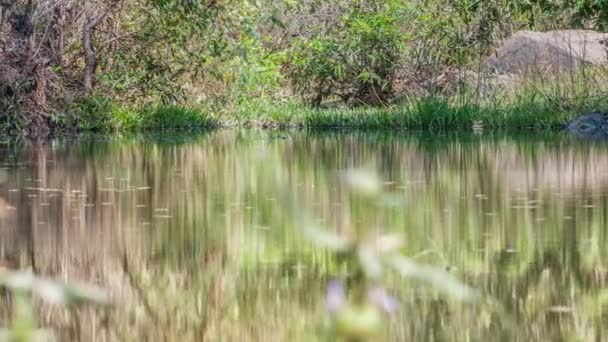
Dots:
pixel 534 104
pixel 420 114
pixel 430 113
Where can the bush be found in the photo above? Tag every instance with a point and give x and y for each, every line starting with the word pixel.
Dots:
pixel 356 60
pixel 174 117
pixel 94 113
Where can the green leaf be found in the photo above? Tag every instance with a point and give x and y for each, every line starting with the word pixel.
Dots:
pixel 322 238
pixel 370 262
pixel 389 243
pixel 53 291
pixel 440 279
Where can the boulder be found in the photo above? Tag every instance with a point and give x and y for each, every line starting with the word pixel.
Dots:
pixel 591 126
pixel 554 51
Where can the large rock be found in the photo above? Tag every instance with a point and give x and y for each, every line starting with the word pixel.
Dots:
pixel 556 51
pixel 591 126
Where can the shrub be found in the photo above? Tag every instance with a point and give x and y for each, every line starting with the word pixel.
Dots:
pixel 94 113
pixel 174 117
pixel 356 60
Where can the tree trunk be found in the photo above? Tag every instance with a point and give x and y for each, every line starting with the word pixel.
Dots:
pixel 89 54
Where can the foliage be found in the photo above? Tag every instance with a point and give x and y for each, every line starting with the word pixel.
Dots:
pixel 593 11
pixel 95 113
pixel 588 14
pixel 174 117
pixel 100 114
pixel 355 60
pixel 170 41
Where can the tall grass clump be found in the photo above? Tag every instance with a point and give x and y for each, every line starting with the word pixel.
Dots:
pixel 101 114
pixel 175 117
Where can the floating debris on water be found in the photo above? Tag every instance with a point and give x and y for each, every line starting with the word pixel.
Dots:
pixel 561 309
pixel 528 207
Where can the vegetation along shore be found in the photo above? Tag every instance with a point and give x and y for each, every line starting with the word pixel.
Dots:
pixel 109 65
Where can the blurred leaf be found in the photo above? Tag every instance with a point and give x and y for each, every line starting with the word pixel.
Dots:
pixel 440 279
pixel 52 291
pixel 17 281
pixel 81 292
pixel 322 238
pixel 358 323
pixel 370 262
pixel 389 243
pixel 24 321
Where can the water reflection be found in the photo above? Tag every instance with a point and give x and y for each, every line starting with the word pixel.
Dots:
pixel 196 237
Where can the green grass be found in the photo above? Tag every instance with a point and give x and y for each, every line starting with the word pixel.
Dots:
pixel 98 114
pixel 431 113
pixel 537 104
pixel 175 117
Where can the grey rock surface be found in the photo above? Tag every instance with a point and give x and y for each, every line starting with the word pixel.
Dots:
pixel 553 51
pixel 591 126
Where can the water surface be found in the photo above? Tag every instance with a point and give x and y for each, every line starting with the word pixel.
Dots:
pixel 198 239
